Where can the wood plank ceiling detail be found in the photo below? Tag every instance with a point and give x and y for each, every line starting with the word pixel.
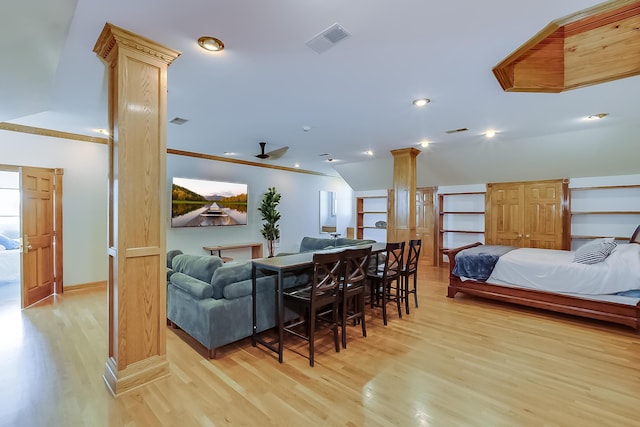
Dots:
pixel 595 45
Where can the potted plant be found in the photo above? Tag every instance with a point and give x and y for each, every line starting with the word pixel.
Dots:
pixel 270 216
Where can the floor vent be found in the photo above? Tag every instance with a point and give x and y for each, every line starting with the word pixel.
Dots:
pixel 327 38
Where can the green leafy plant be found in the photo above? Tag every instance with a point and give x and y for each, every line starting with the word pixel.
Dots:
pixel 270 216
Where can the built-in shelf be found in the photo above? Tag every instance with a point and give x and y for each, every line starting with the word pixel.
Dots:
pixel 369 210
pixel 576 237
pixel 604 211
pixel 460 214
pixel 607 213
pixel 606 187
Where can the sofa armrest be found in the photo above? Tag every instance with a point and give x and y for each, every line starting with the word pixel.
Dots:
pixel 197 288
pixel 169 274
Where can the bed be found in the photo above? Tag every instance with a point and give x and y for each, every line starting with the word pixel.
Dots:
pixel 608 290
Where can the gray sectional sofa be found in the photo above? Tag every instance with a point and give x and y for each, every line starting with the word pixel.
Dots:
pixel 211 301
pixel 316 244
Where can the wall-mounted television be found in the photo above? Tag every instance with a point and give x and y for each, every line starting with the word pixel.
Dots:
pixel 205 203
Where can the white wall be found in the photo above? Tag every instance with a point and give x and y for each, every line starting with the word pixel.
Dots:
pixel 85 201
pixel 84 197
pixel 299 206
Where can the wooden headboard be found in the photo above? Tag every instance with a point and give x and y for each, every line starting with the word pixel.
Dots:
pixel 635 237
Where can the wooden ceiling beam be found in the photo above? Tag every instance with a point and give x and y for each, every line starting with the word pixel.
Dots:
pixel 592 46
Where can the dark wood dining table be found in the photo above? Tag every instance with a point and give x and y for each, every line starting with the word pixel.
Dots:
pixel 279 265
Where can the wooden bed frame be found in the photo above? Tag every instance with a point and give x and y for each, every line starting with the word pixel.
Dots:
pixel 623 314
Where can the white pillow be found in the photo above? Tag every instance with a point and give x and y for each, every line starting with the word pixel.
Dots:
pixel 595 251
pixel 2 248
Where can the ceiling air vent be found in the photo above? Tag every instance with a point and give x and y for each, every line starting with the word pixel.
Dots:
pixel 457 130
pixel 327 38
pixel 178 121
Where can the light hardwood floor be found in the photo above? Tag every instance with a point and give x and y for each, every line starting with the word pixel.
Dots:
pixel 462 362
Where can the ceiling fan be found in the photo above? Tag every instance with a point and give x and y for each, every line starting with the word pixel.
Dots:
pixel 273 155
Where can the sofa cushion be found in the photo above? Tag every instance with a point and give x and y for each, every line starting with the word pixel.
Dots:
pixel 350 242
pixel 192 286
pixel 201 267
pixel 229 274
pixel 243 287
pixel 315 244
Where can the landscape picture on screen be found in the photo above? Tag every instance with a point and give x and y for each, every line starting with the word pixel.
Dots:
pixel 204 203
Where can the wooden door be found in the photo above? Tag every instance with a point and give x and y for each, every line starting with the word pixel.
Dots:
pixel 528 214
pixel 504 214
pixel 37 213
pixel 543 221
pixel 425 224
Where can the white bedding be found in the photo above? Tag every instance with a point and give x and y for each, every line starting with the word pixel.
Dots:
pixel 9 265
pixel 554 271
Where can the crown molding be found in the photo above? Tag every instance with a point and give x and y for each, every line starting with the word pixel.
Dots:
pixel 241 162
pixel 51 133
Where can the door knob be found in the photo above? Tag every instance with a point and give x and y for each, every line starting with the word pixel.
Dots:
pixel 26 245
pixel 527 236
pixel 519 236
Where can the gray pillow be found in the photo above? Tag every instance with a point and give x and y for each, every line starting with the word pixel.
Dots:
pixel 594 252
pixel 229 274
pixel 201 267
pixel 192 286
pixel 8 243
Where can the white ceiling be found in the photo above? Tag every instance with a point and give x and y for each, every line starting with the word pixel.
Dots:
pixel 267 85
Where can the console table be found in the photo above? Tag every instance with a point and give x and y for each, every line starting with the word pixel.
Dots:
pixel 278 266
pixel 256 249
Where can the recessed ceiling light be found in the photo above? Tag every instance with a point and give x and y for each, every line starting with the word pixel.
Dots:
pixel 597 116
pixel 102 131
pixel 421 102
pixel 297 165
pixel 229 153
pixel 490 133
pixel 369 152
pixel 211 43
pixel 424 143
pixel 330 160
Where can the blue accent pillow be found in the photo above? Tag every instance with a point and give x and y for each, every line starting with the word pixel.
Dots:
pixel 8 243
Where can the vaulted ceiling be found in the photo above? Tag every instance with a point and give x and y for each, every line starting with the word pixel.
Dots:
pixel 270 85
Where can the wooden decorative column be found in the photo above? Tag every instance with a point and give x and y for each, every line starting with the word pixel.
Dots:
pixel 137 78
pixel 403 226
